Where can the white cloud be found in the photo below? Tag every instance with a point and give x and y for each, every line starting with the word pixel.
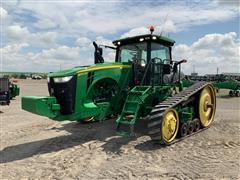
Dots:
pixel 3 13
pixel 229 2
pixel 44 61
pixel 83 42
pixel 17 33
pixel 216 40
pixel 103 41
pixel 113 17
pixel 61 53
pixel 135 32
pixel 12 57
pixel 210 52
pixel 169 26
pixel 45 24
pixel 14 48
pixel 81 22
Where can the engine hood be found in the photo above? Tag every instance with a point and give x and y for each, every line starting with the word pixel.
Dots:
pixel 84 69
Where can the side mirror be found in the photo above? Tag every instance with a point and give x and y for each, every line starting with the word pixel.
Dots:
pixel 98 54
pixel 175 69
pixel 182 61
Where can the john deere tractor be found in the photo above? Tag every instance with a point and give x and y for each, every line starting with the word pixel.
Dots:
pixel 143 84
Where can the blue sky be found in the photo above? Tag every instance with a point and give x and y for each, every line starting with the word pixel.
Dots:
pixel 41 35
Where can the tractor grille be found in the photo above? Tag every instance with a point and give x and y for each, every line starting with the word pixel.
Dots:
pixel 65 94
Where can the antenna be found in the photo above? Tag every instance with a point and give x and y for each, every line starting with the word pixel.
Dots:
pixel 164 24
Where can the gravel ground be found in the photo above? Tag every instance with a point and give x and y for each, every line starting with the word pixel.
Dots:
pixel 35 147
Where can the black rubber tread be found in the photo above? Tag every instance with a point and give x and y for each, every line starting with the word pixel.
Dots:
pixel 153 123
pixel 156 138
pixel 158 112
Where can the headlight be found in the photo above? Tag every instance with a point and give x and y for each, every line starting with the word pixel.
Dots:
pixel 48 79
pixel 62 79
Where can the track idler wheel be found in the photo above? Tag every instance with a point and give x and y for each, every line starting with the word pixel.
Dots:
pixel 170 125
pixel 207 105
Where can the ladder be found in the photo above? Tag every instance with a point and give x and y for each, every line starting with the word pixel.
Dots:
pixel 130 112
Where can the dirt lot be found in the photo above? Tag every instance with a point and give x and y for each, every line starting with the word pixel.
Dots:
pixel 35 147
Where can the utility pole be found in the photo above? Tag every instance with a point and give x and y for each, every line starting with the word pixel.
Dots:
pixel 217 70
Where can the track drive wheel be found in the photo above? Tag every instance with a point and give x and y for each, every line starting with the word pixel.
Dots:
pixel 170 125
pixel 207 105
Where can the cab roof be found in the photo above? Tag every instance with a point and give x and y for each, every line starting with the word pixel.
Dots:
pixel 143 38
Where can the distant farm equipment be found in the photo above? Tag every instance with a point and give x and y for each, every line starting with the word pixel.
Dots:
pixel 36 77
pixel 222 81
pixel 8 90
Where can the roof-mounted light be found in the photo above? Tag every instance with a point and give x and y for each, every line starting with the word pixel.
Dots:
pixel 151 28
pixel 154 37
pixel 141 39
pixel 118 43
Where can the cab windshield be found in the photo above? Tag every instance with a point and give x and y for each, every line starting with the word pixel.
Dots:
pixel 133 52
pixel 138 52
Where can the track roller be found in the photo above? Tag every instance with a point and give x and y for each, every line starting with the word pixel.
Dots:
pixel 184 129
pixel 191 127
pixel 197 124
pixel 231 93
pixel 237 93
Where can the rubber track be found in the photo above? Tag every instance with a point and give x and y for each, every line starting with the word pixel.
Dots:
pixel 158 112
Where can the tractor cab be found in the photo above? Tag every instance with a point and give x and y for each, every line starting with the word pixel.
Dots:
pixel 150 56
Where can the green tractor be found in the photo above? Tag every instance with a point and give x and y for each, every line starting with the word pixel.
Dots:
pixel 224 82
pixel 143 84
